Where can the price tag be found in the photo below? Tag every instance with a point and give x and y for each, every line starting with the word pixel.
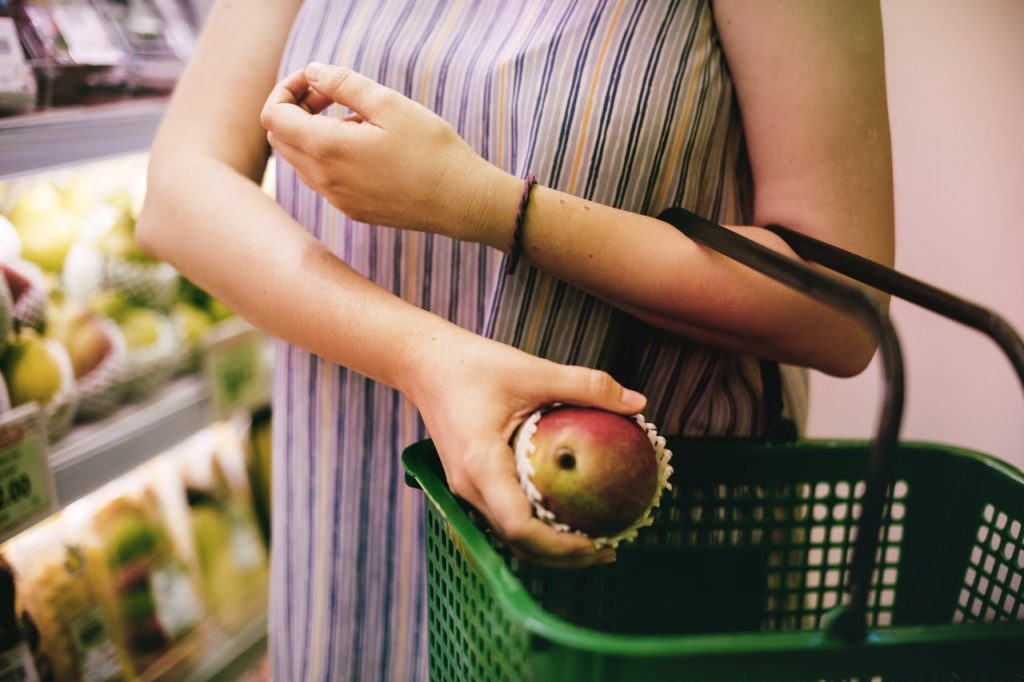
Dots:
pixel 238 368
pixel 26 483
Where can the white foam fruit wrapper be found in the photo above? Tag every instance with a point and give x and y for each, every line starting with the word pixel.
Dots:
pixel 145 370
pixel 99 391
pixel 524 446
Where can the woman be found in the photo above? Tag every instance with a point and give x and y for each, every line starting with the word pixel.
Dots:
pixel 621 109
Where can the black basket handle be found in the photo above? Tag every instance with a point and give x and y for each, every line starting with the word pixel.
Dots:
pixel 909 289
pixel 850 620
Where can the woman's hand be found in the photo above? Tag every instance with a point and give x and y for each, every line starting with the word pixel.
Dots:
pixel 390 162
pixel 473 393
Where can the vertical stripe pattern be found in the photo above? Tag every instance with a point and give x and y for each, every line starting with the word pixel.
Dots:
pixel 625 102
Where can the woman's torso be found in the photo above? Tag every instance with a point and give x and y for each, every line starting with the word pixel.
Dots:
pixel 622 102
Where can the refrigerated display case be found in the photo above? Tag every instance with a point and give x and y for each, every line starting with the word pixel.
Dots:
pixel 219 375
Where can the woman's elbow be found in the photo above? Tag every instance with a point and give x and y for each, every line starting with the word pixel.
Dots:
pixel 850 356
pixel 150 227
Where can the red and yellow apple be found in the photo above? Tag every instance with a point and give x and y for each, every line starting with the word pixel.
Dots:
pixel 596 471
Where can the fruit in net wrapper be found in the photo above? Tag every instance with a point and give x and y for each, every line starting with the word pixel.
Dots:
pixel 38 369
pixel 97 352
pixel 29 295
pixel 592 471
pixel 153 353
pixel 113 261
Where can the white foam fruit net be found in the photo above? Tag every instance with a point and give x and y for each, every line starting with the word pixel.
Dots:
pixel 524 447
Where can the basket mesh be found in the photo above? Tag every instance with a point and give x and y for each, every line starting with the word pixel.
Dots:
pixel 771 538
pixel 992 588
pixel 466 624
pixel 807 529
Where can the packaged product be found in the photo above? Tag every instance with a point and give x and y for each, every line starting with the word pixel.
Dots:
pixel 58 606
pixel 229 549
pixel 15 655
pixel 145 582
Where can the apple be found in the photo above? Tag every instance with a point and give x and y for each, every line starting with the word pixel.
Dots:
pixel 109 303
pixel 193 322
pixel 219 311
pixel 37 202
pixel 81 333
pixel 30 369
pixel 16 282
pixel 596 471
pixel 47 240
pixel 79 196
pixel 141 328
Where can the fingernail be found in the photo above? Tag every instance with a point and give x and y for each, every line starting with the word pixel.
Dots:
pixel 607 558
pixel 633 400
pixel 314 70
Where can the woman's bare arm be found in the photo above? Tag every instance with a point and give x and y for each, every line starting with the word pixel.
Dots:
pixel 810 81
pixel 205 214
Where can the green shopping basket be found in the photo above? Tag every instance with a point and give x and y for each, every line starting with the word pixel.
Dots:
pixel 813 560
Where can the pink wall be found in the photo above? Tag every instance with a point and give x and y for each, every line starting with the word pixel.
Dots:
pixel 956 102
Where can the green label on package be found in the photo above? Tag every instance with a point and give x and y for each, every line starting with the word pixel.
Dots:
pixel 238 371
pixel 26 484
pixel 97 656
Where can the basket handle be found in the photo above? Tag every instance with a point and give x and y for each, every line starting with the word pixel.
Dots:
pixel 909 289
pixel 849 621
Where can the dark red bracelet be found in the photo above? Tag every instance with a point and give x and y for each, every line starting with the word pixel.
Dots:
pixel 516 248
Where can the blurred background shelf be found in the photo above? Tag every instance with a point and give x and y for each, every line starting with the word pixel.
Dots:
pixel 65 136
pixel 210 653
pixel 93 454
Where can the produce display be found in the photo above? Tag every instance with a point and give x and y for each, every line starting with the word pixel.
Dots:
pixel 229 548
pixel 59 609
pixel 592 471
pixel 78 292
pixel 16 661
pixel 168 557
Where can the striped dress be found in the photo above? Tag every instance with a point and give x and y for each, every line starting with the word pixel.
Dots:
pixel 624 102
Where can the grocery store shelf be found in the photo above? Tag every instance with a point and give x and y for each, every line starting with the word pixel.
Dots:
pixel 70 135
pixel 93 454
pixel 209 654
pixel 231 658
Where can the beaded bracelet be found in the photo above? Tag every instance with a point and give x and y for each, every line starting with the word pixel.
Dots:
pixel 516 249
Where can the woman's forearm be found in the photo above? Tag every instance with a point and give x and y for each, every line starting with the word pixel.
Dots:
pixel 223 233
pixel 647 268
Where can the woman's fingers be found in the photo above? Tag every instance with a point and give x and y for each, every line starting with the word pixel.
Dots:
pixel 591 387
pixel 305 167
pixel 371 100
pixel 304 96
pixel 511 515
pixel 291 120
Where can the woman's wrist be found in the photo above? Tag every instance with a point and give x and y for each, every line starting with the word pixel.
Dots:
pixel 426 356
pixel 488 208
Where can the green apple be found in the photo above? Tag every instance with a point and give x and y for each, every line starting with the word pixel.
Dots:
pixel 219 310
pixel 119 241
pixel 36 203
pixel 141 328
pixel 30 370
pixel 46 241
pixel 79 196
pixel 109 303
pixel 193 322
pixel 596 471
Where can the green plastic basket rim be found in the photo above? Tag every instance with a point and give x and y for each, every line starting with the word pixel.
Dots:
pixel 521 608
